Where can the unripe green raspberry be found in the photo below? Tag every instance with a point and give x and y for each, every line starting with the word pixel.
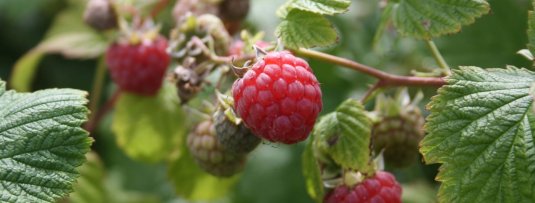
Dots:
pixel 210 155
pixel 234 138
pixel 399 137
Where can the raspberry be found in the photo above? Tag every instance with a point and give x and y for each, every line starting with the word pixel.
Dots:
pixel 194 33
pixel 139 68
pixel 279 98
pixel 234 138
pixel 233 10
pixel 100 15
pixel 399 136
pixel 383 187
pixel 210 155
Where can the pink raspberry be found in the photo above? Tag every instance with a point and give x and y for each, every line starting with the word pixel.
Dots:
pixel 382 188
pixel 279 98
pixel 139 68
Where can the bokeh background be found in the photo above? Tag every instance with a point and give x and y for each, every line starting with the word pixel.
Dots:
pixel 273 172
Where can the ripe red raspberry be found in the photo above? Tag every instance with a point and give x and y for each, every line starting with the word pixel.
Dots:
pixel 279 98
pixel 383 187
pixel 139 68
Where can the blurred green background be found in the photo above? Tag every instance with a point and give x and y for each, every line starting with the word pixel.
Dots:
pixel 273 172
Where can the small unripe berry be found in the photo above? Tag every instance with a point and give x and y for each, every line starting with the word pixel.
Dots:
pixel 100 15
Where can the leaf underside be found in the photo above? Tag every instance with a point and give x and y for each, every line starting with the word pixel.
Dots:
pixel 481 130
pixel 323 7
pixel 41 143
pixel 312 172
pixel 427 19
pixel 306 29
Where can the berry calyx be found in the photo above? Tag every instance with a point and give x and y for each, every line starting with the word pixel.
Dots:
pixel 238 47
pixel 279 98
pixel 188 83
pixel 210 155
pixel 382 187
pixel 138 67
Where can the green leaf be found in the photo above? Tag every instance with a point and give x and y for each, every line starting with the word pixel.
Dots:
pixel 312 173
pixel 481 130
pixel 90 185
pixel 322 7
pixel 68 36
pixel 149 128
pixel 344 136
pixel 192 183
pixel 78 45
pixel 283 10
pixel 306 29
pixel 41 142
pixel 426 19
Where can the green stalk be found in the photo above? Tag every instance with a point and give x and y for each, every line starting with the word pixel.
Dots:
pixel 438 57
pixel 98 84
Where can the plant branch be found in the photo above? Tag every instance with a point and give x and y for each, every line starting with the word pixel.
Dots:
pixel 385 79
pixel 99 115
pixel 158 8
pixel 438 57
pixel 369 94
pixel 98 83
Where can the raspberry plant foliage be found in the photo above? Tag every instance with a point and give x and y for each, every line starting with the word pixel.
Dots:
pixel 149 128
pixel 427 19
pixel 481 130
pixel 42 143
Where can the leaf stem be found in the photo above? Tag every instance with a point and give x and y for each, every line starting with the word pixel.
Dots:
pixel 385 79
pixel 370 94
pixel 99 115
pixel 98 84
pixel 158 8
pixel 438 57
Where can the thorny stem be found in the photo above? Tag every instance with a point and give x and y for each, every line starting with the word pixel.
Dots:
pixel 385 79
pixel 438 57
pixel 99 115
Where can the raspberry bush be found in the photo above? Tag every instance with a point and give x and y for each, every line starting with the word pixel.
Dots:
pixel 267 101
